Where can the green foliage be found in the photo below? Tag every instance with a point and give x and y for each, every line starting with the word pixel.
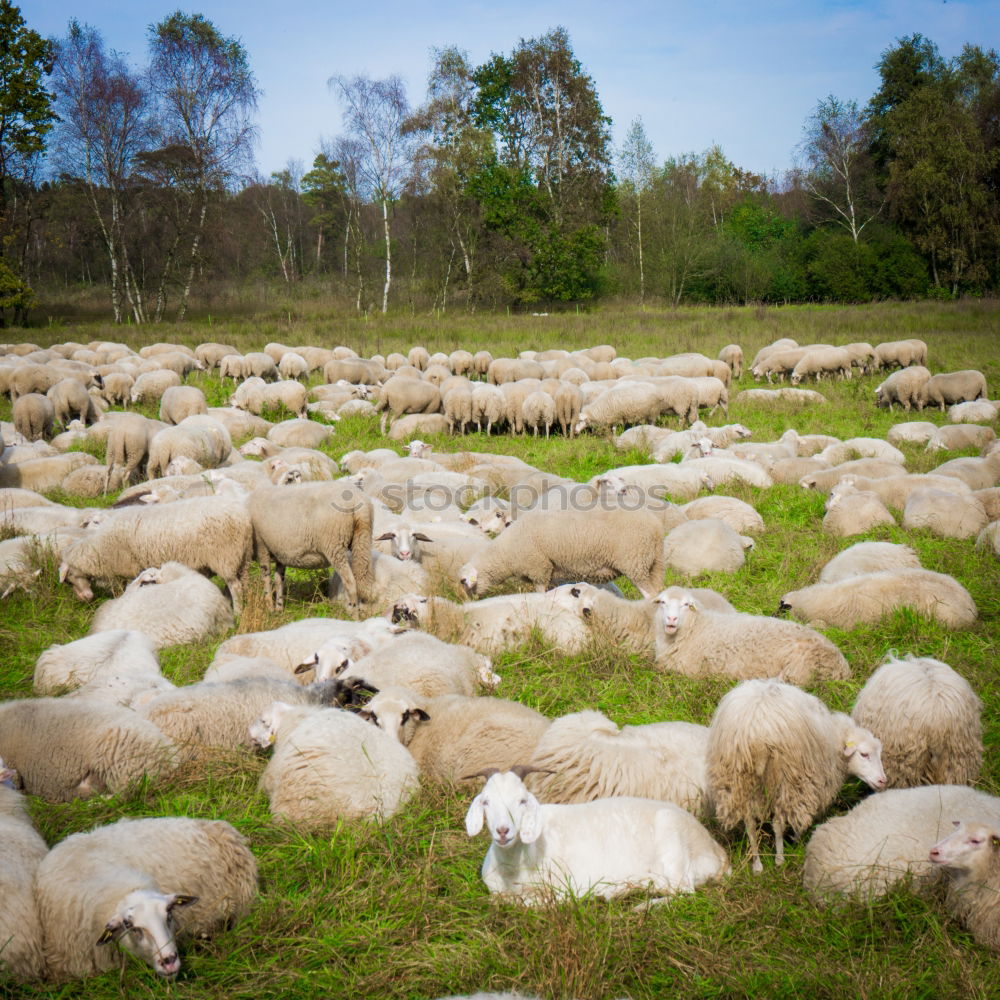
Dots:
pixel 16 297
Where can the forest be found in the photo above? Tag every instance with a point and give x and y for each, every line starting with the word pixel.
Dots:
pixel 130 193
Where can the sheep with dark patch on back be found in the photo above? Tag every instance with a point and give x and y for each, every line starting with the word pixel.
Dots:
pixel 778 755
pixel 928 719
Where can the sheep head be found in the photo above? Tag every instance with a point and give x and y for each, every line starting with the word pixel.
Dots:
pixel 143 923
pixel 971 847
pixel 863 752
pixel 674 606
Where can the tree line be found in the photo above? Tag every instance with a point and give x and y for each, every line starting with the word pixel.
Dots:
pixel 502 188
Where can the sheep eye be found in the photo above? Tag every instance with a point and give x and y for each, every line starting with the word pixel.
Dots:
pixel 340 669
pixel 865 755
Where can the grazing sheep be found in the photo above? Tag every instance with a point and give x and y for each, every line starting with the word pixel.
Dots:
pixel 204 533
pixel 944 513
pixel 140 883
pixel 452 735
pixel 868 557
pixel 850 511
pixel 255 395
pixel 867 598
pixel 488 407
pixel 901 353
pixel 457 406
pixel 626 404
pixel 906 387
pixel 66 748
pixel 233 366
pixel 117 387
pixel 309 526
pixel 692 640
pixel 705 545
pixel 400 395
pixel 414 660
pixel 292 365
pixel 33 416
pixel 538 410
pixel 928 719
pixel 74 664
pixel 886 838
pixel 210 354
pixel 180 401
pixel 955 387
pixel 207 715
pixel 593 545
pixel 970 857
pixel 150 386
pixel 21 955
pixel 71 401
pixel 732 355
pixel 329 765
pixel 776 754
pixel 738 514
pixel 585 756
pixel 202 439
pixel 569 401
pixel 258 364
pixel 608 847
pixel 820 361
pixel 171 604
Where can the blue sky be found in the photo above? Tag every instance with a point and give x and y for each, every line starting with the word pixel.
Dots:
pixel 744 74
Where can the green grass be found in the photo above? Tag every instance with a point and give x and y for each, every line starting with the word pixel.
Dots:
pixel 399 910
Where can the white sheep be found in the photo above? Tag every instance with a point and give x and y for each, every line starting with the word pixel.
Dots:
pixel 901 353
pixel 732 355
pixel 538 410
pixel 452 735
pixel 976 473
pixel 778 755
pixel 608 847
pixel 21 955
pixel 33 416
pixel 210 533
pixel 956 436
pixel 69 666
pixel 329 765
pixel 945 513
pixel 970 857
pixel 593 545
pixel 850 511
pixel 172 604
pixel 989 538
pixel 974 412
pixel 457 404
pixel 955 387
pixel 201 438
pixel 906 387
pixel 415 660
pixel 866 598
pixel 309 526
pixel 887 837
pixel 739 515
pixel 69 748
pixel 911 432
pixel 868 557
pixel 692 640
pixel 895 490
pixel 236 668
pixel 141 883
pixel 705 545
pixel 928 719
pixel 150 386
pixel 180 401
pixel 656 481
pixel 300 433
pixel 585 756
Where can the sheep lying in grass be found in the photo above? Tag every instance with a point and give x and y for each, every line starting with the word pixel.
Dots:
pixel 928 719
pixel 414 660
pixel 778 755
pixel 970 857
pixel 738 514
pixel 867 598
pixel 21 955
pixel 142 883
pixel 171 604
pixel 329 765
pixel 609 847
pixel 64 667
pixel 72 748
pixel 989 538
pixel 954 437
pixel 210 533
pixel 945 513
pixel 452 735
pixel 887 837
pixel 585 756
pixel 496 623
pixel 705 545
pixel 695 641
pixel 850 511
pixel 868 557
pixel 587 545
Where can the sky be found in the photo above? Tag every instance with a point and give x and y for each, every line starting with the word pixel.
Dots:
pixel 743 75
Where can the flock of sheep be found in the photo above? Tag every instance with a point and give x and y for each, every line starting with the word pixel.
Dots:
pixel 358 710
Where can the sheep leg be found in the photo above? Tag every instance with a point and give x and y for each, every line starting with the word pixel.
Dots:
pixel 753 837
pixel 779 841
pixel 236 593
pixel 343 567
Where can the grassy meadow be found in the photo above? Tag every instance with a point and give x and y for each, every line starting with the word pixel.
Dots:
pixel 398 910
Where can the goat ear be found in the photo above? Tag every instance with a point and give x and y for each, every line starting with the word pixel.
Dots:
pixel 475 817
pixel 531 821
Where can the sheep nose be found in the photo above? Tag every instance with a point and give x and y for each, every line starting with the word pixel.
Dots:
pixel 935 854
pixel 503 832
pixel 404 553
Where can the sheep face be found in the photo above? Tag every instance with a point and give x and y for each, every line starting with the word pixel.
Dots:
pixel 468 576
pixel 410 609
pixel 673 608
pixel 80 582
pixel 405 542
pixel 508 809
pixel 143 924
pixel 970 848
pixel 491 523
pixel 264 729
pixel 864 757
pixel 418 449
pixel 391 712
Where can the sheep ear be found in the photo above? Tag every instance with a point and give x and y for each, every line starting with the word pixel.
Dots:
pixel 387 537
pixel 475 817
pixel 416 713
pixel 531 821
pixel 304 668
pixel 113 930
pixel 179 899
pixel 849 747
pixel 421 537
